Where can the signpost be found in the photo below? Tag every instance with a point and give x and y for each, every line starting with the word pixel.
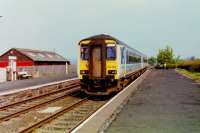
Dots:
pixel 12 68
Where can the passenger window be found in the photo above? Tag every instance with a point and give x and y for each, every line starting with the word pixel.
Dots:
pixel 145 60
pixel 111 53
pixel 132 58
pixel 84 53
pixel 122 56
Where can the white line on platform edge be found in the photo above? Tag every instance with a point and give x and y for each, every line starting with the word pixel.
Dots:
pixel 115 97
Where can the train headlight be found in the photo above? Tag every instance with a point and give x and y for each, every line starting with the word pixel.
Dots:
pixel 84 71
pixel 112 72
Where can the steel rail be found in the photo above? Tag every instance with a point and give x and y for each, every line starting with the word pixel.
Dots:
pixel 52 117
pixel 86 118
pixel 76 84
pixel 7 117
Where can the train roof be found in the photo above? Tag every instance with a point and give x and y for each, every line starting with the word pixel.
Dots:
pixel 108 37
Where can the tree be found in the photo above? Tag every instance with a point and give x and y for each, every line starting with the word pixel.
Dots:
pixel 165 55
pixel 178 59
pixel 152 61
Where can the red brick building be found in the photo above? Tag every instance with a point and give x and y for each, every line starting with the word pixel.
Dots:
pixel 28 57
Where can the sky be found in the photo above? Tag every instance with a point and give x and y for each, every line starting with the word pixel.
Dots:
pixel 58 25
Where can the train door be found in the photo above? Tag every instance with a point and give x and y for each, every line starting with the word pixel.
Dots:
pixel 96 62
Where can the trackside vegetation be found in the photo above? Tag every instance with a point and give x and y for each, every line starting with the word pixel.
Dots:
pixel 166 59
pixel 193 75
pixel 191 65
pixel 190 68
pixel 166 56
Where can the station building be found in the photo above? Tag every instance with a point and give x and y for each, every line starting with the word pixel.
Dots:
pixel 36 62
pixel 29 57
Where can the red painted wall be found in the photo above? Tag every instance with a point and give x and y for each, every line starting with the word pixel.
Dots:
pixel 19 63
pixel 3 63
pixel 21 59
pixel 24 63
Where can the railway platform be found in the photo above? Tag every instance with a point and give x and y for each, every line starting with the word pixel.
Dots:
pixel 166 102
pixel 19 84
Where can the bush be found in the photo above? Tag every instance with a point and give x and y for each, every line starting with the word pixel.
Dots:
pixel 168 66
pixel 171 66
pixel 193 66
pixel 159 66
pixel 190 65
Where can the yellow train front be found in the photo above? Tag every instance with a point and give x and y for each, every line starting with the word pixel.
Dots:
pixel 106 65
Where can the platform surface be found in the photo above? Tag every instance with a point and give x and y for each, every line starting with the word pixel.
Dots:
pixel 166 102
pixel 19 84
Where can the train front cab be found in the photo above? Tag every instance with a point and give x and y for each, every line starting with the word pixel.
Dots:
pixel 98 66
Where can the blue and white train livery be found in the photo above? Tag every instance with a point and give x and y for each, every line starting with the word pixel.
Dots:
pixel 107 65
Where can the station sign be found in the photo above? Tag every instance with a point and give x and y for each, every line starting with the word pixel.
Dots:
pixel 12 57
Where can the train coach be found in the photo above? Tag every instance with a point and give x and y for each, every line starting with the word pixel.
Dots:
pixel 107 65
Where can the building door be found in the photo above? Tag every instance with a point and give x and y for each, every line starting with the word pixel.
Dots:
pixel 96 62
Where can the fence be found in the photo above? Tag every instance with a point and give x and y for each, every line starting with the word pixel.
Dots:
pixel 72 70
pixel 50 70
pixel 42 71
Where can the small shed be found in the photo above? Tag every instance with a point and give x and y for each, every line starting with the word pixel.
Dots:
pixel 37 63
pixel 29 57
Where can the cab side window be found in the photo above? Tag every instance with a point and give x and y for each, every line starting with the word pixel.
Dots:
pixel 84 52
pixel 122 56
pixel 111 53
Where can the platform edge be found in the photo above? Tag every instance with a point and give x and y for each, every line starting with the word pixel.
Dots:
pixel 101 119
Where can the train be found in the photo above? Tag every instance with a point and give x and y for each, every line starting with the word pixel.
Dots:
pixel 106 64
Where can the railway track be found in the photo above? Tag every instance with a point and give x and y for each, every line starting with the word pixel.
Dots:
pixel 18 108
pixel 35 115
pixel 72 110
pixel 67 119
pixel 31 92
pixel 52 117
pixel 27 95
pixel 31 115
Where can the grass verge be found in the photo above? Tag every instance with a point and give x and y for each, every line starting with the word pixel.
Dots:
pixel 193 75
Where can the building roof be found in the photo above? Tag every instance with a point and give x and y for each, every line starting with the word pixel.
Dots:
pixel 39 55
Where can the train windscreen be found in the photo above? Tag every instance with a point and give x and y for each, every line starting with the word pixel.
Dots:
pixel 111 53
pixel 84 52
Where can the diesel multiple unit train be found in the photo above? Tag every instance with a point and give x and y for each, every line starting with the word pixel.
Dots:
pixel 106 64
